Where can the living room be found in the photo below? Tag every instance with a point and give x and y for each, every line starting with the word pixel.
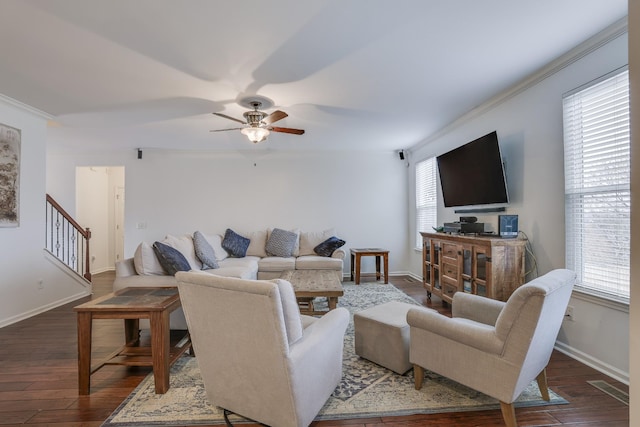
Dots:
pixel 366 195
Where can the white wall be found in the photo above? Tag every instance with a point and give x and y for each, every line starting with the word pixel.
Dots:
pixel 22 257
pixel 529 126
pixel 361 194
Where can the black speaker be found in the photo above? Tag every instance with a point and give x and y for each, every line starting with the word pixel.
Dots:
pixel 401 154
pixel 508 226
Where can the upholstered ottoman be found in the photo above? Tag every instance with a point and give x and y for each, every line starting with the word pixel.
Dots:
pixel 382 335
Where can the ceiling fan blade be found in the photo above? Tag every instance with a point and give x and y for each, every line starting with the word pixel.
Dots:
pixel 230 118
pixel 274 117
pixel 287 130
pixel 222 130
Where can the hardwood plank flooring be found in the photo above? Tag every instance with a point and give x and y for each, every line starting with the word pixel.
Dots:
pixel 39 378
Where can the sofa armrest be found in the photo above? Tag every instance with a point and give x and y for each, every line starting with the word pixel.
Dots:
pixel 464 331
pixel 476 308
pixel 125 268
pixel 339 253
pixel 325 335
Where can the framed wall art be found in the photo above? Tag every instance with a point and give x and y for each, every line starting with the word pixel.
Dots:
pixel 9 176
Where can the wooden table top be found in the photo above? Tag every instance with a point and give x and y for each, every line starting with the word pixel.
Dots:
pixel 368 251
pixel 133 299
pixel 314 282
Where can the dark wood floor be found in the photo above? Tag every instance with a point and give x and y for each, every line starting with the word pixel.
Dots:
pixel 38 379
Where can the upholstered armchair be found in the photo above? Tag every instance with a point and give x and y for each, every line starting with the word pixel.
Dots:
pixel 494 347
pixel 258 356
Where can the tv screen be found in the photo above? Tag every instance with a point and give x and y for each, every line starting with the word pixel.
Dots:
pixel 473 174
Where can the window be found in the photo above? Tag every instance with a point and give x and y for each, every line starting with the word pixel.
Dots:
pixel 426 198
pixel 597 185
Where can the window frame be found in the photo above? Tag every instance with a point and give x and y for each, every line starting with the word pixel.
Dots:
pixel 426 195
pixel 596 144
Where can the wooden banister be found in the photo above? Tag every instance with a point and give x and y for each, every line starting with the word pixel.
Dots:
pixel 66 239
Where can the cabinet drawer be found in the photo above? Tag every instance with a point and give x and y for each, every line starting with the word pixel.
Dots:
pixel 448 289
pixel 450 250
pixel 450 271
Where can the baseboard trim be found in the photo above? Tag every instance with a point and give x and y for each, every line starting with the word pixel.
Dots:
pixel 592 362
pixel 44 308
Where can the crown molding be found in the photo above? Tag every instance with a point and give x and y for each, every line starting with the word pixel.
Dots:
pixel 590 45
pixel 22 106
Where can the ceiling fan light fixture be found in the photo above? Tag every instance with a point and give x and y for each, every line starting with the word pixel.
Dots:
pixel 255 134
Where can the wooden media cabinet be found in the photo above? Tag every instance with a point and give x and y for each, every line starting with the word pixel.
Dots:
pixel 488 266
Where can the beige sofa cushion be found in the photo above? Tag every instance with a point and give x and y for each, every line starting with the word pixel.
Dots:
pixel 317 262
pixel 258 241
pixel 311 239
pixel 146 262
pixel 215 240
pixel 274 263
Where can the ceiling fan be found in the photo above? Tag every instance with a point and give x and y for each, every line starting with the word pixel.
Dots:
pixel 259 123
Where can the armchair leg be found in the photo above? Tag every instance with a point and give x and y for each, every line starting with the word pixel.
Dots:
pixel 418 376
pixel 509 414
pixel 542 385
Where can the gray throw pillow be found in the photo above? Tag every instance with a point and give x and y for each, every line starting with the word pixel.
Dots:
pixel 235 244
pixel 281 243
pixel 204 251
pixel 327 247
pixel 170 259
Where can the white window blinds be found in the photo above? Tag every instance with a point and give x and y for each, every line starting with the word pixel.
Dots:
pixel 426 198
pixel 597 185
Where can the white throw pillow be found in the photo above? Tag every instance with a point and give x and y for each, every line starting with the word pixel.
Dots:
pixel 146 261
pixel 310 239
pixel 215 240
pixel 258 241
pixel 184 244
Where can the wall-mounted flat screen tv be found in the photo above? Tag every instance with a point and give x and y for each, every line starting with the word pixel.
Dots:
pixel 473 174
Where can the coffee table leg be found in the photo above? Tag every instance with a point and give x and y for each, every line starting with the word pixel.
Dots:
pixel 84 352
pixel 386 268
pixel 160 350
pixel 132 332
pixel 333 302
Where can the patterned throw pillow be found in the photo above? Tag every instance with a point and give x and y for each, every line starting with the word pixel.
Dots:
pixel 171 259
pixel 281 243
pixel 204 251
pixel 235 244
pixel 327 247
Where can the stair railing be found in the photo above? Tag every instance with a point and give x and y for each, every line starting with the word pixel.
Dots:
pixel 66 239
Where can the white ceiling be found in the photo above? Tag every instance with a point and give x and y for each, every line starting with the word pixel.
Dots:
pixel 355 74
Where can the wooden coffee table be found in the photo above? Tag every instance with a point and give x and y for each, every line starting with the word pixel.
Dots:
pixel 309 284
pixel 132 304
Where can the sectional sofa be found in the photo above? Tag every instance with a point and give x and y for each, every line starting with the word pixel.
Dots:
pixel 262 257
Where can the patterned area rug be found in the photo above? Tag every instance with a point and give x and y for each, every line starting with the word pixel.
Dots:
pixel 366 390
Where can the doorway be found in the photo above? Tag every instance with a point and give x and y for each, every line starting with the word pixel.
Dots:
pixel 100 207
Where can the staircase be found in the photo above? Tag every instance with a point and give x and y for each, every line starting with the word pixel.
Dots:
pixel 66 240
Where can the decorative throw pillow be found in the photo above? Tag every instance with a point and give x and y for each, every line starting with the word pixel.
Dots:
pixel 204 251
pixel 281 243
pixel 311 239
pixel 235 244
pixel 184 245
pixel 327 247
pixel 146 261
pixel 171 259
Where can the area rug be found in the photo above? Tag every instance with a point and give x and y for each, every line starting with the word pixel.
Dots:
pixel 366 390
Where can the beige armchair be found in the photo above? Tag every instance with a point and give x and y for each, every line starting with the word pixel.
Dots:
pixel 258 356
pixel 494 347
